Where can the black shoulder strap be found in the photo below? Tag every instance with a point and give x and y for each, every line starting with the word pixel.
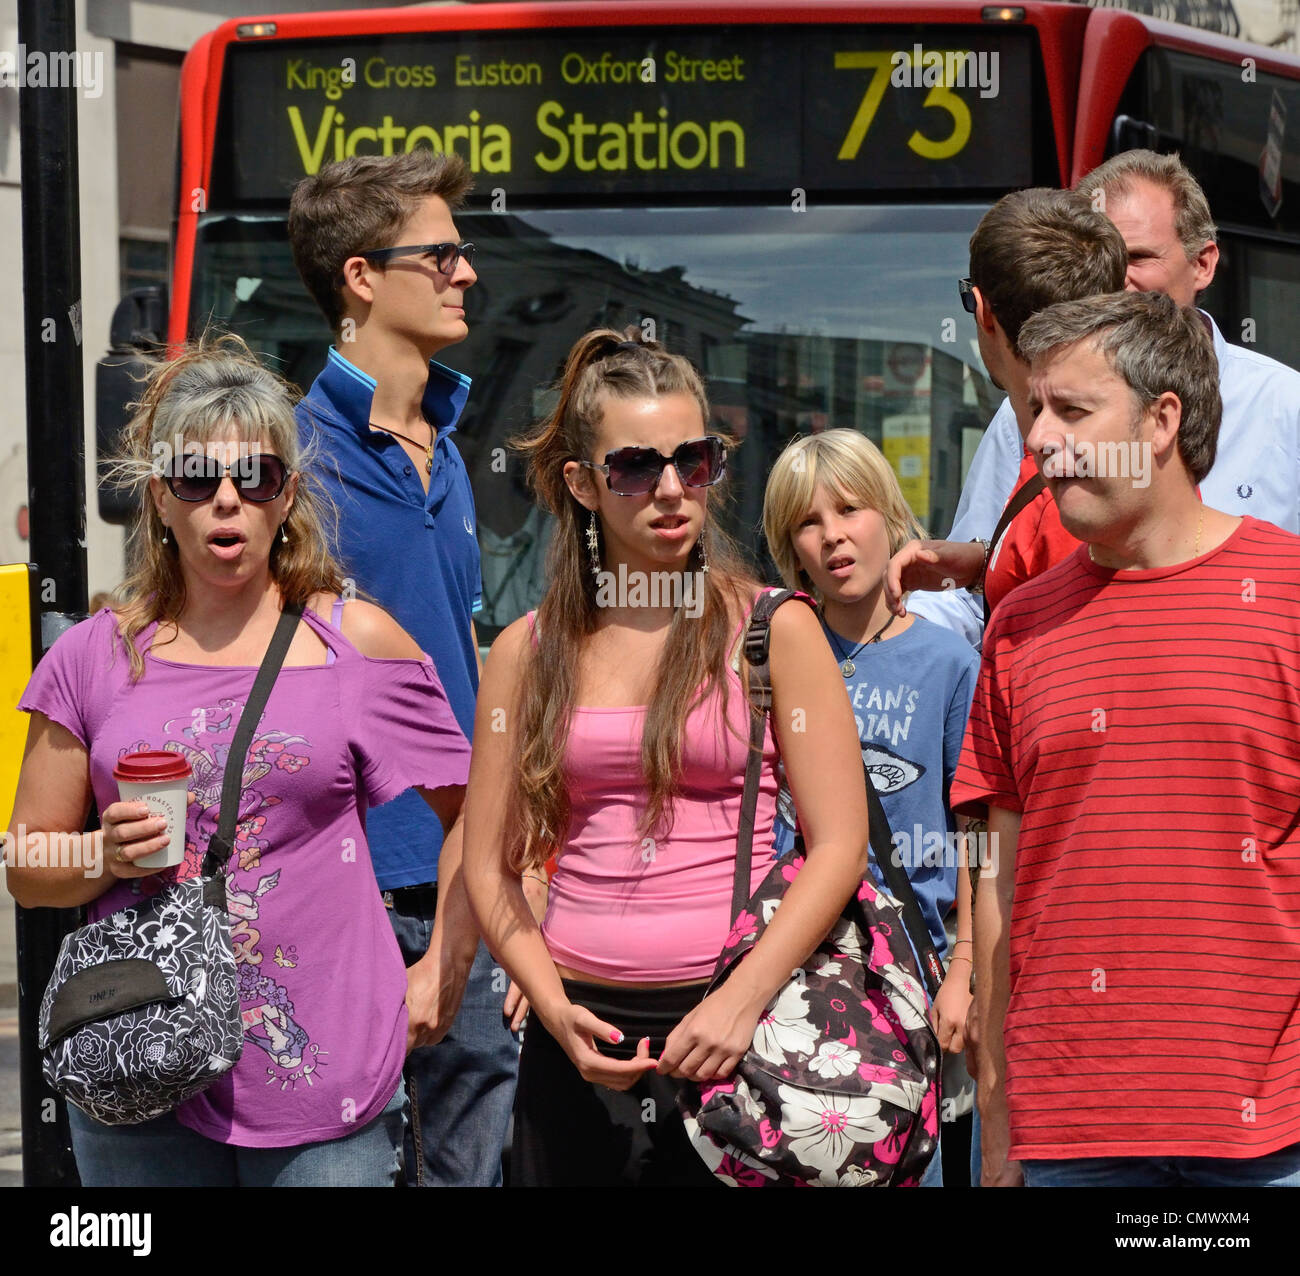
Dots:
pixel 757 641
pixel 1014 506
pixel 760 699
pixel 222 843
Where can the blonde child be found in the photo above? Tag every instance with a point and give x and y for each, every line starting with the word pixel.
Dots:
pixel 834 514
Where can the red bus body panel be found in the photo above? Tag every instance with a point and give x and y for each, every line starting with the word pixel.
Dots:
pixel 1088 57
pixel 1114 43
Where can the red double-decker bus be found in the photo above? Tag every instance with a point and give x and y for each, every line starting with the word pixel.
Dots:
pixel 784 191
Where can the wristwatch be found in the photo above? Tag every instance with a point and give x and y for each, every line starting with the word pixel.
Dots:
pixel 978 586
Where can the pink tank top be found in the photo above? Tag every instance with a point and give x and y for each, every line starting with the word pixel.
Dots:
pixel 637 910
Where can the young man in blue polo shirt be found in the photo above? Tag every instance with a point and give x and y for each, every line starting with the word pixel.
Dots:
pixel 374 241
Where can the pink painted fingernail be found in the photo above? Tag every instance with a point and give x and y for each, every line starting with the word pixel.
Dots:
pixel 616 1037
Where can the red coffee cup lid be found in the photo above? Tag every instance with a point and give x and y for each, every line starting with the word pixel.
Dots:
pixel 149 768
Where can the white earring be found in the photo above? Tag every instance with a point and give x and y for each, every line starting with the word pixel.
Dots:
pixel 166 529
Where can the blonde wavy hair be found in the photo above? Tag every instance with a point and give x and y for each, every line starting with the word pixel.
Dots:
pixel 211 390
pixel 845 463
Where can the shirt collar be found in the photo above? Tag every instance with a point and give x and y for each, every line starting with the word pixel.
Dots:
pixel 1220 345
pixel 351 392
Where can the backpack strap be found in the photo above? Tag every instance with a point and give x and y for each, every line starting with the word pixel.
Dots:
pixel 757 649
pixel 756 645
pixel 1018 502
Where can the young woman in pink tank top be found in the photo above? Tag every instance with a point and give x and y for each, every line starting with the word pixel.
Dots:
pixel 612 733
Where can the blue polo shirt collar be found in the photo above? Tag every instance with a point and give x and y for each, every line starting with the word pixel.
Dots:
pixel 351 393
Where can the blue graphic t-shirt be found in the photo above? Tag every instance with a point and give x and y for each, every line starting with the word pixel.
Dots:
pixel 911 695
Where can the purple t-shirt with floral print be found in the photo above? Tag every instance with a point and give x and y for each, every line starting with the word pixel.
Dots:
pixel 321 981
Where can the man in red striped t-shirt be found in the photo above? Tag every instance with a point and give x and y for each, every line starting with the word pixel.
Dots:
pixel 1135 736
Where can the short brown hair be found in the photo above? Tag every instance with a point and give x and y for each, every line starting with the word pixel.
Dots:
pixel 361 203
pixel 1193 223
pixel 1036 247
pixel 1153 344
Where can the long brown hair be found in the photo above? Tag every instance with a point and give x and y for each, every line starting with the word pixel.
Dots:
pixel 692 666
pixel 210 389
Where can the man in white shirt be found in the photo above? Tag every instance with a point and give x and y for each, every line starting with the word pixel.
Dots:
pixel 1161 211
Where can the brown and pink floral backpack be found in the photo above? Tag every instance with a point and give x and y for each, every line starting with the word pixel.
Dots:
pixel 840 1087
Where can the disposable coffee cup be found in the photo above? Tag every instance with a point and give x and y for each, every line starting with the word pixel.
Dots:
pixel 162 782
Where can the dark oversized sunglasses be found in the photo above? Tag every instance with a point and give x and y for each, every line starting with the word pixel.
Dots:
pixel 445 255
pixel 965 289
pixel 197 478
pixel 633 471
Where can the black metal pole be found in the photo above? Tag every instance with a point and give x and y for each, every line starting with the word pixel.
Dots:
pixel 56 485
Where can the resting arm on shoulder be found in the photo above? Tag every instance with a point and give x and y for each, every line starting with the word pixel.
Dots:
pixel 496 893
pixel 50 810
pixel 993 903
pixel 932 566
pixel 984 495
pixel 436 983
pixel 818 740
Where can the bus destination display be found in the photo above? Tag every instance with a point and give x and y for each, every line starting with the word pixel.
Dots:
pixel 631 111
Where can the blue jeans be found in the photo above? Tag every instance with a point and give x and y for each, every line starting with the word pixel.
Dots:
pixel 1277 1169
pixel 933 1176
pixel 462 1090
pixel 165 1153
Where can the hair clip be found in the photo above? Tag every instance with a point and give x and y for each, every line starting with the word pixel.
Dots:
pixel 629 345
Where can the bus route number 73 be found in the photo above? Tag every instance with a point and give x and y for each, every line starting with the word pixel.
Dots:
pixel 941 96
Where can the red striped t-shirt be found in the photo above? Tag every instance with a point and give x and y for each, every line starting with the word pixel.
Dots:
pixel 1146 724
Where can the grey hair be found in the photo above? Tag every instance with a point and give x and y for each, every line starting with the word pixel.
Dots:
pixel 1193 222
pixel 211 391
pixel 1154 345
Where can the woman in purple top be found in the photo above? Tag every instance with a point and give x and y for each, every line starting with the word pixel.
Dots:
pixel 227 533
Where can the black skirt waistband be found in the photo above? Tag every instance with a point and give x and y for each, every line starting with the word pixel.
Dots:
pixel 636 1012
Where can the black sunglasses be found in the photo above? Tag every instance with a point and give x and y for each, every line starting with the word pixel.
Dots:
pixel 966 290
pixel 196 478
pixel 633 471
pixel 445 255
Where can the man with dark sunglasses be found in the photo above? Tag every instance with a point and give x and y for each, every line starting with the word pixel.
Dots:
pixel 374 240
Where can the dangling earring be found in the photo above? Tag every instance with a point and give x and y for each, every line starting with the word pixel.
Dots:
pixel 704 558
pixel 593 545
pixel 284 536
pixel 166 529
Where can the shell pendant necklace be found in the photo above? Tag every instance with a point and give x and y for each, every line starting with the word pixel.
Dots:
pixel 847 667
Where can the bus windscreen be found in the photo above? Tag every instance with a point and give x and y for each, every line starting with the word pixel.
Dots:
pixel 637 112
